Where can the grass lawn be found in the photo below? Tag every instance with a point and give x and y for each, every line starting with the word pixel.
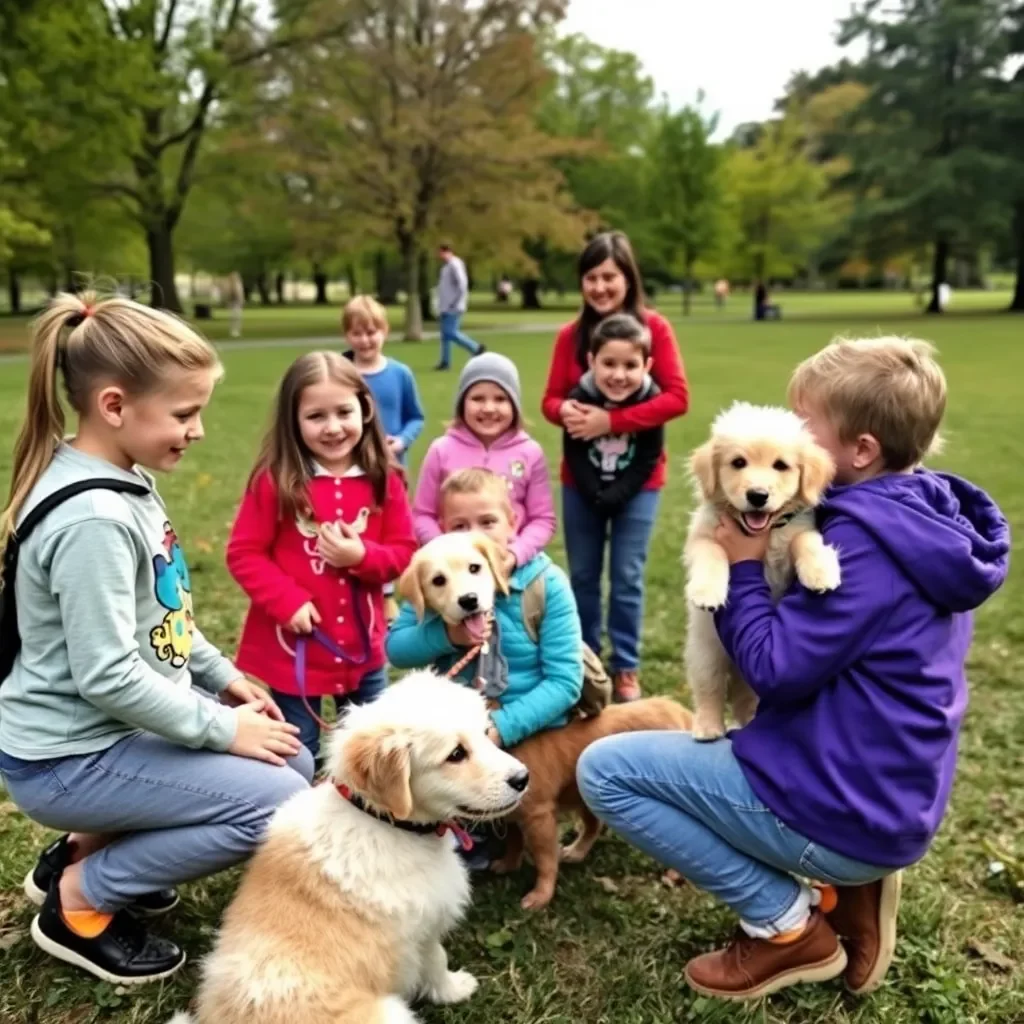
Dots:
pixel 610 948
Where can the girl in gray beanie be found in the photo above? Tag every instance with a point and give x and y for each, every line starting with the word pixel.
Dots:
pixel 487 433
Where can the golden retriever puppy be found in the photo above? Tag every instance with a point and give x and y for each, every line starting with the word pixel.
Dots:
pixel 340 916
pixel 456 575
pixel 442 575
pixel 762 467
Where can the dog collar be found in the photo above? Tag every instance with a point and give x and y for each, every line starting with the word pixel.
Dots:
pixel 420 828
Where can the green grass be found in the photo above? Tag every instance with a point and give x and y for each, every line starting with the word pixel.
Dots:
pixel 612 952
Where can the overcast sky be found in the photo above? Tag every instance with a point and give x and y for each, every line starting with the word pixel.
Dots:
pixel 740 52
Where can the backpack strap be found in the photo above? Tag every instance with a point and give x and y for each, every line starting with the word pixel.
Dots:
pixel 62 494
pixel 532 602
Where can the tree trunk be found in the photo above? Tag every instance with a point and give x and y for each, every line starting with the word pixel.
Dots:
pixel 939 264
pixel 320 280
pixel 353 281
pixel 13 290
pixel 263 288
pixel 247 287
pixel 424 278
pixel 164 290
pixel 530 287
pixel 1017 305
pixel 279 287
pixel 411 269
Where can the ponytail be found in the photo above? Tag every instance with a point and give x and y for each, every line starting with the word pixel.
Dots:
pixel 85 340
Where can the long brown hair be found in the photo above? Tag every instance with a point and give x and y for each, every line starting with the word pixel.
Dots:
pixel 284 455
pixel 83 341
pixel 614 246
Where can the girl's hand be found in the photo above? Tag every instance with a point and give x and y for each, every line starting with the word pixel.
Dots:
pixel 591 423
pixel 340 545
pixel 510 562
pixel 304 619
pixel 738 546
pixel 396 446
pixel 263 738
pixel 569 413
pixel 494 736
pixel 242 692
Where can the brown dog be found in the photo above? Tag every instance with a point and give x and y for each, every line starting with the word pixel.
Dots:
pixel 551 757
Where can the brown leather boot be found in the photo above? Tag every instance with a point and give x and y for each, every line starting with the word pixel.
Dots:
pixel 751 968
pixel 626 686
pixel 865 917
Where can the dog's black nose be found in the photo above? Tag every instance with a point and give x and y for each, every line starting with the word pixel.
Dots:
pixel 757 497
pixel 469 602
pixel 519 781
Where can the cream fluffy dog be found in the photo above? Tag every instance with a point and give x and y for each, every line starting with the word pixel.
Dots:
pixel 762 467
pixel 340 916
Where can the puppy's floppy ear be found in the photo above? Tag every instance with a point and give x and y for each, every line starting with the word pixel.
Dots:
pixel 410 586
pixel 816 472
pixel 376 764
pixel 704 469
pixel 490 551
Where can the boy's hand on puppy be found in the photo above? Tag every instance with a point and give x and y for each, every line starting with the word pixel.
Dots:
pixel 460 636
pixel 339 545
pixel 262 738
pixel 304 619
pixel 738 546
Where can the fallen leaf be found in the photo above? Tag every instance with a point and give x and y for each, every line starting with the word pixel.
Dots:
pixel 9 939
pixel 498 939
pixel 608 884
pixel 990 955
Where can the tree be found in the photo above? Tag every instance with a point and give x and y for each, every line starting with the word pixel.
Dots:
pixel 1010 126
pixel 775 195
pixel 149 76
pixel 430 105
pixel 685 189
pixel 928 159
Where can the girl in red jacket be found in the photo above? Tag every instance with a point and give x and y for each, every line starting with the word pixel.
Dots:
pixel 323 525
pixel 610 283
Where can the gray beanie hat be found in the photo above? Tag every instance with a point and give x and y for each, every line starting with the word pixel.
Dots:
pixel 495 369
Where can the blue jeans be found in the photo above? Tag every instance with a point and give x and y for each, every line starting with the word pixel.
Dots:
pixel 371 686
pixel 689 806
pixel 180 814
pixel 450 332
pixel 586 531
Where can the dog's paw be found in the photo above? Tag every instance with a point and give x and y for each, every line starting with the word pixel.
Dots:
pixel 710 591
pixel 536 899
pixel 456 987
pixel 707 728
pixel 819 573
pixel 573 853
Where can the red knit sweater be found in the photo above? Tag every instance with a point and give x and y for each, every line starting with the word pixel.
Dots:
pixel 277 564
pixel 666 369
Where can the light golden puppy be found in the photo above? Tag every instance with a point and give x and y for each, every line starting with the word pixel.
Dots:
pixel 762 467
pixel 340 916
pixel 457 576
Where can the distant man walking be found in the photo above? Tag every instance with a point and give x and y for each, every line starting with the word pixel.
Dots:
pixel 452 299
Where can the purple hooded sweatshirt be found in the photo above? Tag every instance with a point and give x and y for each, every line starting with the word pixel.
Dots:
pixel 862 691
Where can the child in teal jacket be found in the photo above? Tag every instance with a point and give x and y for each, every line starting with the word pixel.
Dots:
pixel 544 679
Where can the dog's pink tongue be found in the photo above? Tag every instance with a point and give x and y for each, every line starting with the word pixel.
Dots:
pixel 756 520
pixel 476 625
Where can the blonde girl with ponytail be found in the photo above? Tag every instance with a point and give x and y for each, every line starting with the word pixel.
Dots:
pixel 121 725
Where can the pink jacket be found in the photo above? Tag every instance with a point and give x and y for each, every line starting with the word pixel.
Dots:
pixel 516 457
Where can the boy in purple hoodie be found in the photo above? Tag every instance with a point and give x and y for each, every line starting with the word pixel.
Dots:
pixel 844 774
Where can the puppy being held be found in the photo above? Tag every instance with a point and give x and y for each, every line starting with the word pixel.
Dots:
pixel 762 469
pixel 341 913
pixel 442 575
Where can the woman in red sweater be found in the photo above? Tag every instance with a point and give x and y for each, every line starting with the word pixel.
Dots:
pixel 610 283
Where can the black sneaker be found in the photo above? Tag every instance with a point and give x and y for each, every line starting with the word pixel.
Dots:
pixel 443 366
pixel 481 349
pixel 124 953
pixel 52 862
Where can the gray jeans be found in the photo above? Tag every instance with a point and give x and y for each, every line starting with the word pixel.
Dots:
pixel 180 814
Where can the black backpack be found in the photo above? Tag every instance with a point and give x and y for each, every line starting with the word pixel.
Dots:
pixel 10 639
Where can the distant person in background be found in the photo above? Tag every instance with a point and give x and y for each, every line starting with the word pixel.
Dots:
pixel 504 289
pixel 234 299
pixel 721 292
pixel 452 301
pixel 945 294
pixel 764 308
